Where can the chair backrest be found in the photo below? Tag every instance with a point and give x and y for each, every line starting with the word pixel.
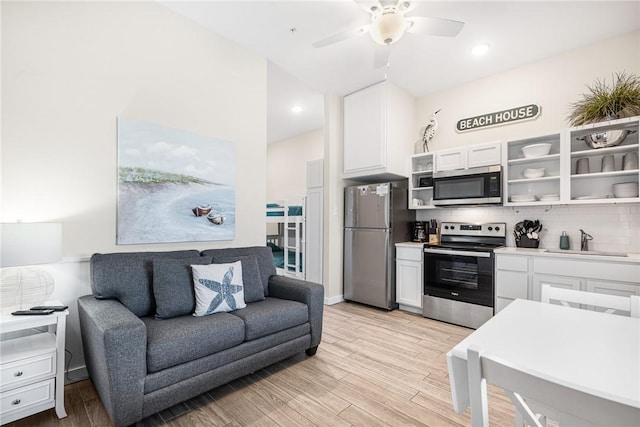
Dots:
pixel 611 303
pixel 482 369
pixel 526 391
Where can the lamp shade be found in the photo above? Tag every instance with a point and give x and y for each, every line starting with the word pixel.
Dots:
pixel 30 243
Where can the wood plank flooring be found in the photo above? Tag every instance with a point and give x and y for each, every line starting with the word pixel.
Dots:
pixel 373 368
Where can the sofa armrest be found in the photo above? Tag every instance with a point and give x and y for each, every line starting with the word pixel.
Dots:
pixel 311 294
pixel 115 348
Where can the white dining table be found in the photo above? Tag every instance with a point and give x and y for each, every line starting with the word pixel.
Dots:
pixel 587 352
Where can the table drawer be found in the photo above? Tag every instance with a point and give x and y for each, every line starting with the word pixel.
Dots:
pixel 27 370
pixel 21 399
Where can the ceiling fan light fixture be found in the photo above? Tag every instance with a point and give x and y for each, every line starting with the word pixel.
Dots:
pixel 388 28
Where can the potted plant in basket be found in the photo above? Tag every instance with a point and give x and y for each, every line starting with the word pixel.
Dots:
pixel 604 102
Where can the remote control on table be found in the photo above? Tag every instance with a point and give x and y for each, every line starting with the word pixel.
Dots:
pixel 50 307
pixel 31 312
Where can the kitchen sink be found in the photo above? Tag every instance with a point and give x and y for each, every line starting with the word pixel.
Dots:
pixel 599 253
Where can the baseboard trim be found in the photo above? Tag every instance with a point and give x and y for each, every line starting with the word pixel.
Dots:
pixel 74 375
pixel 410 309
pixel 334 300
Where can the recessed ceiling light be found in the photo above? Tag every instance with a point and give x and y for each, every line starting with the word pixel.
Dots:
pixel 296 109
pixel 480 49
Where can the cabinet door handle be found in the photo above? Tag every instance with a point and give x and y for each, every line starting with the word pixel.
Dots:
pixel 18 374
pixel 16 402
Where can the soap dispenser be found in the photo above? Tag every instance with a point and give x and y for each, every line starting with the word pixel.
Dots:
pixel 564 241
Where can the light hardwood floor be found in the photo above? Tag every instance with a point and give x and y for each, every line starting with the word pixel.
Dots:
pixel 373 368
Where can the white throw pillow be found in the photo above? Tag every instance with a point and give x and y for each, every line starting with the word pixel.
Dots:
pixel 218 287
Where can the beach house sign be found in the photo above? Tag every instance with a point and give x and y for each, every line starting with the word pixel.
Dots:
pixel 526 112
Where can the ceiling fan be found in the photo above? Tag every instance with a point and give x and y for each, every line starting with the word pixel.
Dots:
pixel 389 23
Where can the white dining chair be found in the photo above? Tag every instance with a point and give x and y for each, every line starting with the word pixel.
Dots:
pixel 611 303
pixel 482 369
pixel 516 383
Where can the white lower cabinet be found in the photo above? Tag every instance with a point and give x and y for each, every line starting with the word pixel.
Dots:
pixel 409 276
pixel 522 276
pixel 512 279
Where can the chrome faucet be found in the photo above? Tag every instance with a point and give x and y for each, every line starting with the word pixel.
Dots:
pixel 584 240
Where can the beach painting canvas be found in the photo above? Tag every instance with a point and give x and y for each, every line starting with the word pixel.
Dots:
pixel 173 185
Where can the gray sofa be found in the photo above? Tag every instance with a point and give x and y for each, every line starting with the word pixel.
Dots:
pixel 144 350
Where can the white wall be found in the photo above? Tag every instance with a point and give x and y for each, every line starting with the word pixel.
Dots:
pixel 554 84
pixel 287 165
pixel 68 70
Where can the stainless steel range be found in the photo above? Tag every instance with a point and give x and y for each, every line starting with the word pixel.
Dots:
pixel 459 273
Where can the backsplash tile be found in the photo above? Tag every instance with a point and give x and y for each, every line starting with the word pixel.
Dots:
pixel 615 228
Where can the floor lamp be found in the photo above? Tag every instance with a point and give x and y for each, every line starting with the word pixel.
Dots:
pixel 23 246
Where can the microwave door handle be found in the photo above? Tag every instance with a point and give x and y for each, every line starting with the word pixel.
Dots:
pixel 458 252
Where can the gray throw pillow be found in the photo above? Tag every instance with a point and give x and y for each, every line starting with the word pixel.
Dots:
pixel 253 290
pixel 173 286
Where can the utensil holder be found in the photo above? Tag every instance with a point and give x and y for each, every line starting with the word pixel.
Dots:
pixel 526 242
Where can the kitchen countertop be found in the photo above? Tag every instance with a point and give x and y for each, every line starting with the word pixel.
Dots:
pixel 411 244
pixel 631 257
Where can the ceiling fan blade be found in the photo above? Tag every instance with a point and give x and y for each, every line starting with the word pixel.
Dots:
pixel 434 26
pixel 341 36
pixel 371 6
pixel 381 56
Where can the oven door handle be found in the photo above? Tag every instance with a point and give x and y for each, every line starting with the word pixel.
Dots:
pixel 457 252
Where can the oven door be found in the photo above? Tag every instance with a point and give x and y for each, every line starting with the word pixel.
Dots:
pixel 460 275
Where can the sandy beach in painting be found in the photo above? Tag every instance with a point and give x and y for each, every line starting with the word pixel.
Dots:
pixel 146 211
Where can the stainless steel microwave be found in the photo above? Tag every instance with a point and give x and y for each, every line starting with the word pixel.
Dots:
pixel 477 186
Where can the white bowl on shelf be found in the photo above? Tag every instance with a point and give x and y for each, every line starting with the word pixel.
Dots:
pixel 534 173
pixel 536 150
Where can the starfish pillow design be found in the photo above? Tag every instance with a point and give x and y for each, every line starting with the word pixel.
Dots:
pixel 225 291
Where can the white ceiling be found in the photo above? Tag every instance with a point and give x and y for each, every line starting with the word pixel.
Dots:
pixel 519 32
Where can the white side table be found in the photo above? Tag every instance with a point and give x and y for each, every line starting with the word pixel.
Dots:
pixel 32 367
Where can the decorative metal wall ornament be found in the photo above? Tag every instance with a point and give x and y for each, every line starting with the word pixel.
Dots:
pixel 429 132
pixel 526 112
pixel 173 186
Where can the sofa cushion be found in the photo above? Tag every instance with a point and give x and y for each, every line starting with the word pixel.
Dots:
pixel 181 339
pixel 251 280
pixel 173 286
pixel 271 315
pixel 262 253
pixel 218 287
pixel 127 277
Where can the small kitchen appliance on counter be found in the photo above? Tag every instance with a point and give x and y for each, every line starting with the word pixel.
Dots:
pixel 459 273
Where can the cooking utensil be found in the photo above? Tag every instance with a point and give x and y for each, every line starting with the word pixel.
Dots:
pixel 609 138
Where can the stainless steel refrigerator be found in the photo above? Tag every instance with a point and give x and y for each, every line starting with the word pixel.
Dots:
pixel 376 218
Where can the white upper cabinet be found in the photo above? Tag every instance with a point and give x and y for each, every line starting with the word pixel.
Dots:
pixel 607 174
pixel 455 158
pixel 473 156
pixel 484 155
pixel 379 132
pixel 571 171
